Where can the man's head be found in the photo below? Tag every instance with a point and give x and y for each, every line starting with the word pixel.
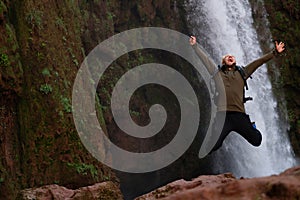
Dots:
pixel 228 60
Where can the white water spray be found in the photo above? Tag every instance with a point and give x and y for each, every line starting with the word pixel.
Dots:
pixel 225 26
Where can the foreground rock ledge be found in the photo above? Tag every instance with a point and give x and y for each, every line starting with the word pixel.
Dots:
pixel 106 191
pixel 226 187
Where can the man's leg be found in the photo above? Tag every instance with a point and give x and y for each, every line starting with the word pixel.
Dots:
pixel 225 130
pixel 244 127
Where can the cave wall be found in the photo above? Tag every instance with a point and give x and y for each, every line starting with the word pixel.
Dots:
pixel 283 25
pixel 42 44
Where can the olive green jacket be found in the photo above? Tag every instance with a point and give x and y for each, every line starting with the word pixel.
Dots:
pixel 232 81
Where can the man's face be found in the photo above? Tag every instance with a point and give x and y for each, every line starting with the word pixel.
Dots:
pixel 229 60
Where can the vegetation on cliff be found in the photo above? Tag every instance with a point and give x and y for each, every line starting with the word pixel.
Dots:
pixel 42 44
pixel 283 22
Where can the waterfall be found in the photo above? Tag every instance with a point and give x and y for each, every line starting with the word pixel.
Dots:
pixel 225 26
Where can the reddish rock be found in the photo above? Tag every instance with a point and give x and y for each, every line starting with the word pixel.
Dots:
pixel 226 187
pixel 106 191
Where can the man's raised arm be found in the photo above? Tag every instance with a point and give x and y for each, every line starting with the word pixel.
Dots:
pixel 250 68
pixel 207 61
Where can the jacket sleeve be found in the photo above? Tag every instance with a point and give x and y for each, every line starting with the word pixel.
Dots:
pixel 250 68
pixel 207 61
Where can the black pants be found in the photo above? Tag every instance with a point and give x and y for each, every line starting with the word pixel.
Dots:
pixel 240 123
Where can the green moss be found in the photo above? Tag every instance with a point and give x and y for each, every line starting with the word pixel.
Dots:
pixel 100 109
pixel 34 19
pixel 135 113
pixel 85 169
pixel 110 16
pixel 46 88
pixel 40 56
pixel 10 36
pixel 46 72
pixel 43 44
pixel 66 104
pixel 4 61
pixel 3 8
pixel 59 22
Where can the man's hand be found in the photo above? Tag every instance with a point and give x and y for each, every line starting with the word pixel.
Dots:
pixel 279 47
pixel 193 40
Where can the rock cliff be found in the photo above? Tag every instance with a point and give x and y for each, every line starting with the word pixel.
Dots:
pixel 225 186
pixel 42 44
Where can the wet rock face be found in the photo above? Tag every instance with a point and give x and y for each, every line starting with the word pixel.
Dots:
pixel 225 186
pixel 105 190
pixel 41 48
pixel 284 15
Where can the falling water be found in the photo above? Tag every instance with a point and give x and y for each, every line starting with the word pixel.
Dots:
pixel 225 26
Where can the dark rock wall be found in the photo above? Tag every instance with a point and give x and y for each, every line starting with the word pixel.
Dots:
pixel 284 24
pixel 42 44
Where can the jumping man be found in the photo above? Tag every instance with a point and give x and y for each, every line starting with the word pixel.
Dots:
pixel 234 81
